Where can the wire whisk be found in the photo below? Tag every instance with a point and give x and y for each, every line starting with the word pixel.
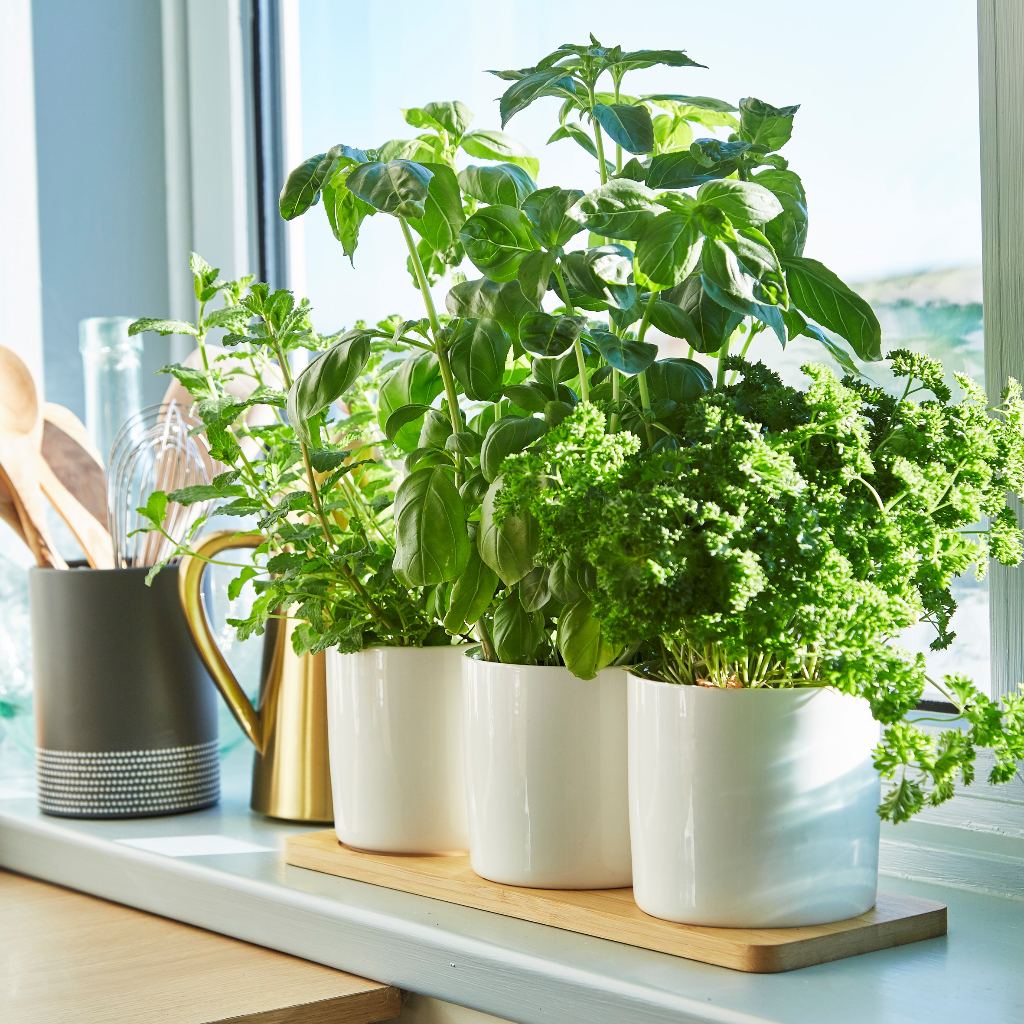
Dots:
pixel 155 450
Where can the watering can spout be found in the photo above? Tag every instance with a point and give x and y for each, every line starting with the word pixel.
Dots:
pixel 288 726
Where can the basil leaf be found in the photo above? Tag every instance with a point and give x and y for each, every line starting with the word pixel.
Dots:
pixel 580 642
pixel 453 117
pixel 478 356
pixel 626 355
pixel 667 251
pixel 399 187
pixel 548 210
pixel 743 265
pixel 302 187
pixel 504 302
pixel 627 125
pixel 471 594
pixel 743 202
pixel 506 437
pixel 638 59
pixel 496 240
pixel 534 591
pixel 788 231
pixel 415 382
pixel 818 293
pixel 702 322
pixel 622 208
pixel 519 95
pixel 509 547
pixel 516 632
pixel 443 215
pixel 495 145
pixel 431 539
pixel 326 379
pixel 345 213
pixel 761 124
pixel 551 371
pixel 497 184
pixel 547 335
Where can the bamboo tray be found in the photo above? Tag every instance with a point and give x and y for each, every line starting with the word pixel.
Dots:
pixel 612 914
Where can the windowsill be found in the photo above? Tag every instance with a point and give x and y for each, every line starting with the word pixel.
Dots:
pixel 501 966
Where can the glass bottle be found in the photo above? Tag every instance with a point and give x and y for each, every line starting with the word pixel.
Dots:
pixel 113 376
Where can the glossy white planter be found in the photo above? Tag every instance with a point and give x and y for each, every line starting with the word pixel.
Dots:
pixel 546 776
pixel 752 808
pixel 395 732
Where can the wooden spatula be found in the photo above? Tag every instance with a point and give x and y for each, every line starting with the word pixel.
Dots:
pixel 71 455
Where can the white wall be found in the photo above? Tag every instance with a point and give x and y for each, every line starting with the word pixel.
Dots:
pixel 20 298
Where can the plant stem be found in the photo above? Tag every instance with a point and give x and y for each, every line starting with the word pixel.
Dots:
pixel 485 641
pixel 613 423
pixel 602 167
pixel 201 345
pixel 720 372
pixel 641 377
pixel 617 79
pixel 307 462
pixel 577 345
pixel 451 395
pixel 753 331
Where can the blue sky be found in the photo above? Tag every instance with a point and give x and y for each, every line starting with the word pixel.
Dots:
pixel 886 139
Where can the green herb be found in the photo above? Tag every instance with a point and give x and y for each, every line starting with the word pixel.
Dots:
pixel 788 538
pixel 315 485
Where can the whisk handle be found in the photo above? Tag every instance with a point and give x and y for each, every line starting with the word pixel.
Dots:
pixel 190 584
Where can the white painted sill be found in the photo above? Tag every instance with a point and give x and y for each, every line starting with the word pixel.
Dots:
pixel 231 879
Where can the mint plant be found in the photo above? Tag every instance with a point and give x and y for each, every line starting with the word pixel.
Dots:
pixel 321 496
pixel 790 537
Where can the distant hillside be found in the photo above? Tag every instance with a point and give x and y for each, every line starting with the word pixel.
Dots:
pixel 935 311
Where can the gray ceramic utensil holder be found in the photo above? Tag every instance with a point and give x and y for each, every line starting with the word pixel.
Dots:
pixel 126 715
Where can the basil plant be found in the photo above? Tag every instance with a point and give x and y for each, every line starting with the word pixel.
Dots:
pixel 693 224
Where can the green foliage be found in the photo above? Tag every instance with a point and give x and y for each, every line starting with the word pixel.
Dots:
pixel 787 536
pixel 693 225
pixel 314 483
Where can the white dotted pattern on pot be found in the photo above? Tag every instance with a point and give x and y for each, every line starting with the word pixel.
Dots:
pixel 127 783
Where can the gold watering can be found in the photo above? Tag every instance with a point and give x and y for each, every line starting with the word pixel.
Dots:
pixel 290 776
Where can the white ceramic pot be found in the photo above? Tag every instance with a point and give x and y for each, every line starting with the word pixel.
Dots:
pixel 752 807
pixel 546 776
pixel 394 719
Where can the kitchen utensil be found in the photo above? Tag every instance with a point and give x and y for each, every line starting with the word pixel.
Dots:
pixel 73 481
pixel 92 537
pixel 154 450
pixel 126 717
pixel 21 429
pixel 291 775
pixel 9 512
pixel 69 450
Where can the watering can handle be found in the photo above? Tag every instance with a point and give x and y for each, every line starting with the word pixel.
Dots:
pixel 190 583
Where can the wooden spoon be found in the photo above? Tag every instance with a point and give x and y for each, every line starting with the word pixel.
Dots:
pixel 73 480
pixel 9 514
pixel 21 432
pixel 69 452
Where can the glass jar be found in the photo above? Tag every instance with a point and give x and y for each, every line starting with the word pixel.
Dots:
pixel 113 376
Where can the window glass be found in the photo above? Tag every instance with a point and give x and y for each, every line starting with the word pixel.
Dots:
pixel 886 142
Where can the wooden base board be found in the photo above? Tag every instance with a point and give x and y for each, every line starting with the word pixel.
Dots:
pixel 612 914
